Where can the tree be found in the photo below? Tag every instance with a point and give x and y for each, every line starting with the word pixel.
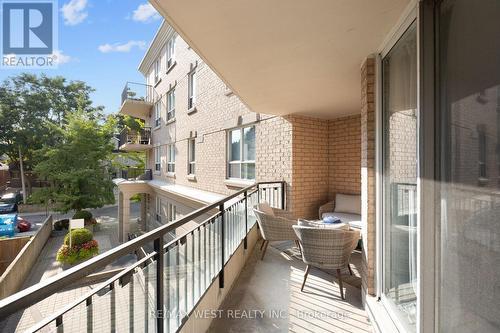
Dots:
pixel 29 104
pixel 78 167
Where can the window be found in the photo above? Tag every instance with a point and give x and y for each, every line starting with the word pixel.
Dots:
pixel 171 158
pixel 157 70
pixel 158 209
pixel 157 158
pixel 399 186
pixel 157 109
pixel 191 89
pixel 170 52
pixel 191 156
pixel 171 104
pixel 171 212
pixel 241 155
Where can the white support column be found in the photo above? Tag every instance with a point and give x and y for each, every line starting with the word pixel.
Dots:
pixel 144 197
pixel 123 216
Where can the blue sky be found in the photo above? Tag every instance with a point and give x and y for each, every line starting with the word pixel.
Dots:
pixel 102 42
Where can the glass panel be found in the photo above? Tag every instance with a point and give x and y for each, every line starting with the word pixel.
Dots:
pixel 234 170
pixel 249 144
pixel 470 166
pixel 235 142
pixel 400 177
pixel 248 171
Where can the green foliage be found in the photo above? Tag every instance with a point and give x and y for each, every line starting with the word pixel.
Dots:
pixel 78 167
pixel 78 236
pixel 30 104
pixel 83 214
pixel 77 253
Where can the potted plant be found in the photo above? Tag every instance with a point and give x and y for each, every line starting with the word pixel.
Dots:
pixel 82 247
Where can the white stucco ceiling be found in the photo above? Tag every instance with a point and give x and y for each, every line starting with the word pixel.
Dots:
pixel 287 56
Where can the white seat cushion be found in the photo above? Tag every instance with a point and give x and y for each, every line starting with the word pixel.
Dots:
pixel 348 203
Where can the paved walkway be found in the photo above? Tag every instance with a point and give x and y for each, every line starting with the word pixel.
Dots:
pixel 47 266
pixel 268 291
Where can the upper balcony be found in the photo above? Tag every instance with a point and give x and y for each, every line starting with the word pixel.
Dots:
pixel 135 140
pixel 137 100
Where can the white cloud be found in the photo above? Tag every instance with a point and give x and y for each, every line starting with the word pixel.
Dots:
pixel 124 47
pixel 74 12
pixel 61 58
pixel 145 13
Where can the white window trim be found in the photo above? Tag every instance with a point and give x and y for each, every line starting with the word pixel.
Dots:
pixel 156 71
pixel 240 161
pixel 171 162
pixel 192 90
pixel 170 53
pixel 157 114
pixel 158 209
pixel 191 163
pixel 171 212
pixel 170 107
pixel 157 157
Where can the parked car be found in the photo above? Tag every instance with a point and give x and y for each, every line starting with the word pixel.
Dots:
pixel 9 202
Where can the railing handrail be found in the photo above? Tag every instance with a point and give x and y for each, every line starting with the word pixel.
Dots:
pixel 31 295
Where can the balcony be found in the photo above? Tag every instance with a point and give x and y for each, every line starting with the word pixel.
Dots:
pixel 137 100
pixel 193 282
pixel 133 140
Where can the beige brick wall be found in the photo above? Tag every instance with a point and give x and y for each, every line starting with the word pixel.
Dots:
pixel 310 164
pixel 368 173
pixel 344 137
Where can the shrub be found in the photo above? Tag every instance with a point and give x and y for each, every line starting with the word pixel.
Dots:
pixel 77 253
pixel 78 237
pixel 83 214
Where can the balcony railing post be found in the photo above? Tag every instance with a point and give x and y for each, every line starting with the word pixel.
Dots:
pixel 158 247
pixel 221 273
pixel 245 245
pixel 283 195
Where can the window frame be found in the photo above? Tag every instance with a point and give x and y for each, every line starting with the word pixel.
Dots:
pixel 192 89
pixel 171 104
pixel 170 52
pixel 191 160
pixel 157 113
pixel 156 71
pixel 158 204
pixel 157 158
pixel 171 212
pixel 241 160
pixel 170 160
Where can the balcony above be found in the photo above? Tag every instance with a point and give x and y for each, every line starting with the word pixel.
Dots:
pixel 134 180
pixel 137 100
pixel 132 140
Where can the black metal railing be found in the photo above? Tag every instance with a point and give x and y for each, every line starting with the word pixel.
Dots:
pixel 136 174
pixel 139 92
pixel 136 137
pixel 161 290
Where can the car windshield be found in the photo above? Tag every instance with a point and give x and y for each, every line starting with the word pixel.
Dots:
pixel 8 201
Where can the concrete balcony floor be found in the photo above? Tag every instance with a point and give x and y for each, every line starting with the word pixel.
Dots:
pixel 268 292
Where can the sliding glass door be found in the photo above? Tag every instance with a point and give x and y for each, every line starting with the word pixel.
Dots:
pixel 399 146
pixel 469 113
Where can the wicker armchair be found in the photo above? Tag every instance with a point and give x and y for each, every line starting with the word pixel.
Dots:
pixel 326 248
pixel 326 208
pixel 275 225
